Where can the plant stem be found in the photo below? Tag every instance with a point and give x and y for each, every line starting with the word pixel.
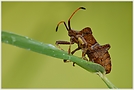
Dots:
pixel 107 82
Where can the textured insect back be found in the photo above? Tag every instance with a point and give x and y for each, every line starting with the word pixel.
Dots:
pixel 100 55
pixel 96 53
pixel 89 38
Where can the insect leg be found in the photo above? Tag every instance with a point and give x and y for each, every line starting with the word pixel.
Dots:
pixel 74 52
pixel 62 42
pixel 69 49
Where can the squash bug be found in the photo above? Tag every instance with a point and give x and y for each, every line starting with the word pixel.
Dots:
pixel 87 43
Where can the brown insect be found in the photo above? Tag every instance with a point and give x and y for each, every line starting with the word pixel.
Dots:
pixel 86 42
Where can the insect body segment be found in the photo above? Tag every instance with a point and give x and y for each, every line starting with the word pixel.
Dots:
pixel 86 42
pixel 101 56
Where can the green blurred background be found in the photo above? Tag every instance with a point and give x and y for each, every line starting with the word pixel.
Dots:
pixel 111 22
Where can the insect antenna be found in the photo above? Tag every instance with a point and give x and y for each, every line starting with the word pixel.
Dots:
pixel 60 23
pixel 72 16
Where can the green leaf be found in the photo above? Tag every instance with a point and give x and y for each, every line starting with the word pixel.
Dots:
pixel 50 50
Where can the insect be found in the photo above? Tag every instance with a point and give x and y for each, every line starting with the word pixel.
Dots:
pixel 87 43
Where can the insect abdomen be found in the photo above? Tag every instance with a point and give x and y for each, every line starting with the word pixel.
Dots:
pixel 101 56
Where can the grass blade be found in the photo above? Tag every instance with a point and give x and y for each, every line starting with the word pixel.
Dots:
pixel 50 50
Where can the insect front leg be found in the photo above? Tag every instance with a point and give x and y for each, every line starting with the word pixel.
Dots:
pixel 64 43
